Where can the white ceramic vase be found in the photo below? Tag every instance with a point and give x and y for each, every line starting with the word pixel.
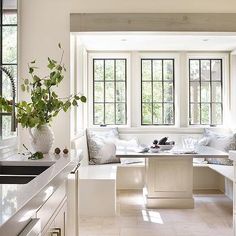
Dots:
pixel 42 138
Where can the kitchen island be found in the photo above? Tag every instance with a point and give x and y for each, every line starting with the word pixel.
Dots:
pixel 169 175
pixel 33 198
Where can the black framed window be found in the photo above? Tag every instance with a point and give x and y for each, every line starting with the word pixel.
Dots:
pixel 157 92
pixel 8 57
pixel 205 92
pixel 109 91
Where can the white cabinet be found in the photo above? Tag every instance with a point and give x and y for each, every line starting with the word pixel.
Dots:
pixel 57 227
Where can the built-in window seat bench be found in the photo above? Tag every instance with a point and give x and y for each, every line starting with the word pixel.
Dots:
pixel 99 183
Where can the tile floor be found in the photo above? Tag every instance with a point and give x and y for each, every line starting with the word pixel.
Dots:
pixel 212 216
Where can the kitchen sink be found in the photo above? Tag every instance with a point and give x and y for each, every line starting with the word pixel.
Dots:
pixel 10 174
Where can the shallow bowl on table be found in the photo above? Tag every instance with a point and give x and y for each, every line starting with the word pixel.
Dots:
pixel 166 147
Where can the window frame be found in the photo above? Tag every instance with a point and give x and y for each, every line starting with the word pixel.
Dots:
pixel 2 114
pixel 90 85
pixel 162 81
pixel 176 56
pixel 225 91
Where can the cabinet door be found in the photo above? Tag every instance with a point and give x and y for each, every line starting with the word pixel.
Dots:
pixel 58 225
pixel 60 221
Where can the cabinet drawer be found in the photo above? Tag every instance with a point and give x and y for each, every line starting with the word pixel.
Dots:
pixel 51 205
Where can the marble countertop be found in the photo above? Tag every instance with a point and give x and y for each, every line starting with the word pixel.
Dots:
pixel 26 198
pixel 201 152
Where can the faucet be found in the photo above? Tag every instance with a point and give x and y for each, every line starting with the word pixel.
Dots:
pixel 13 113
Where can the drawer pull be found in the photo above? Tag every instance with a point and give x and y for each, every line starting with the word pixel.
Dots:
pixel 56 232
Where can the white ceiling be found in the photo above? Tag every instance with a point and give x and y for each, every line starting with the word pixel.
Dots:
pixel 159 41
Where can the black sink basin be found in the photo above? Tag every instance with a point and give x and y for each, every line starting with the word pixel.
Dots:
pixel 15 179
pixel 19 174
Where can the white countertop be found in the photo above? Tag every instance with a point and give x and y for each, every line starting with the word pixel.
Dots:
pixel 15 197
pixel 201 152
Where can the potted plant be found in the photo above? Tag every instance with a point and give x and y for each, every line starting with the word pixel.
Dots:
pixel 44 105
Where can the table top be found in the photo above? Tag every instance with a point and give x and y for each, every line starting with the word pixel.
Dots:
pixel 201 152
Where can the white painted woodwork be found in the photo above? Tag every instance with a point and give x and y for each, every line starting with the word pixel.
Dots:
pixel 169 182
pixel 50 207
pixel 97 190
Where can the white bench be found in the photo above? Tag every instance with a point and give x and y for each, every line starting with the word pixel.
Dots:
pixel 98 184
pixel 226 171
pixel 97 188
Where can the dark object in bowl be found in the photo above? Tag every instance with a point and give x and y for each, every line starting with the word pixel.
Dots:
pixel 163 141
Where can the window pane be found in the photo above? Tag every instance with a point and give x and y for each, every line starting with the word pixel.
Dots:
pixel 147 114
pixel 194 70
pixel 109 70
pixel 168 69
pixel 205 114
pixel 205 92
pixel 157 91
pixel 10 4
pixel 120 92
pixel 157 69
pixel 168 91
pixel 9 49
pixel 6 83
pixel 120 70
pixel 195 114
pixel 194 92
pixel 146 70
pixel 109 113
pixel 205 70
pixel 109 79
pixel 98 91
pixel 216 70
pixel 157 113
pixel 168 114
pixel 120 114
pixel 216 114
pixel 98 69
pixel 109 91
pixel 146 92
pixel 9 18
pixel 216 92
pixel 98 114
pixel 6 127
pixel 208 94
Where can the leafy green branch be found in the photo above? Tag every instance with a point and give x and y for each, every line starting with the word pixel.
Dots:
pixel 45 103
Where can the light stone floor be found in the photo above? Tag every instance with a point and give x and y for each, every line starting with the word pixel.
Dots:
pixel 212 216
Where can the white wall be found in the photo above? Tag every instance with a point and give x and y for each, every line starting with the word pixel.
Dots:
pixel 44 23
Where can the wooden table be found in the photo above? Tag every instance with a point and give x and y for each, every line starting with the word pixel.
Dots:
pixel 169 176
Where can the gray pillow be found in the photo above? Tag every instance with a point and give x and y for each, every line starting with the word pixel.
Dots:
pixel 101 147
pixel 223 142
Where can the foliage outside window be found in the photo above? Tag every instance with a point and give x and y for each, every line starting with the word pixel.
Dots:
pixel 109 91
pixel 8 58
pixel 157 90
pixel 205 92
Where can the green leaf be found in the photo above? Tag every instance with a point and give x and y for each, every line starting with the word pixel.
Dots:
pixel 26 81
pixel 33 62
pixel 23 87
pixel 83 99
pixel 59 45
pixel 31 70
pixel 74 103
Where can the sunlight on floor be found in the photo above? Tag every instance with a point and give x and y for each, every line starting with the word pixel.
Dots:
pixel 152 216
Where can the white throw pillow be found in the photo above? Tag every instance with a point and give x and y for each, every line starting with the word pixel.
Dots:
pixel 220 141
pixel 101 147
